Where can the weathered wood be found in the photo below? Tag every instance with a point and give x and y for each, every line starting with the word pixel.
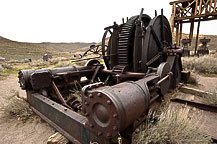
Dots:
pixel 200 7
pixel 57 138
pixel 198 28
pixel 214 6
pixel 194 91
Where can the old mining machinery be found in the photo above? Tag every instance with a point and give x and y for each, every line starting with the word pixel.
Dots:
pixel 105 102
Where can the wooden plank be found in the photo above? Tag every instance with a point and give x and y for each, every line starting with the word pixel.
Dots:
pixel 196 16
pixel 194 91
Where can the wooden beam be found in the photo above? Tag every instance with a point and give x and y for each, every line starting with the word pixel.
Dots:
pixel 210 6
pixel 194 91
pixel 186 7
pixel 198 29
pixel 214 6
pixel 191 31
pixel 180 33
pixel 200 7
pixel 195 11
pixel 177 33
pixel 179 1
pixel 196 16
pixel 204 19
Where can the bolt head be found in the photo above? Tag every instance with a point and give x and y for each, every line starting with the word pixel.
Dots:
pixel 115 115
pixel 109 102
pixel 90 95
pixel 115 128
pixel 65 109
pixel 99 133
pixel 108 135
pixel 99 95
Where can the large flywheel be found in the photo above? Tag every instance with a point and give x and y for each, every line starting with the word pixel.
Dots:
pixel 158 36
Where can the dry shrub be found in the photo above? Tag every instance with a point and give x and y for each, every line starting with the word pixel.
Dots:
pixel 174 126
pixel 203 64
pixel 17 107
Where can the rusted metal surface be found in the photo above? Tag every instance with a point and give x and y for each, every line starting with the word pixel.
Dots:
pixel 101 103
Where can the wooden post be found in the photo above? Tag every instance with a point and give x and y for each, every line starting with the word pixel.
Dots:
pixel 180 33
pixel 198 28
pixel 177 33
pixel 210 6
pixel 191 31
pixel 195 11
pixel 214 6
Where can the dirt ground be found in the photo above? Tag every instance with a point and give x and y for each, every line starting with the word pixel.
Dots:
pixel 13 131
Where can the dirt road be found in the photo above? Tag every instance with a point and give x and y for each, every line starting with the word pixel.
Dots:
pixel 12 131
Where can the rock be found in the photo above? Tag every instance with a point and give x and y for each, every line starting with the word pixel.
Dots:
pixel 1 68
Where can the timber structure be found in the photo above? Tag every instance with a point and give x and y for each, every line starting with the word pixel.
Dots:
pixel 191 11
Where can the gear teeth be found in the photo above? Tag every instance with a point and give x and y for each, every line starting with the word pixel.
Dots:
pixel 123 42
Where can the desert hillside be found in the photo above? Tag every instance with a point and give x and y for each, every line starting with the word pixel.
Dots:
pixel 20 50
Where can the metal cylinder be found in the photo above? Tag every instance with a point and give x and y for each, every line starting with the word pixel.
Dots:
pixel 25 75
pixel 111 109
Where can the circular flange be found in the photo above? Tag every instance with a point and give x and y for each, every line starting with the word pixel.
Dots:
pixel 157 36
pixel 102 113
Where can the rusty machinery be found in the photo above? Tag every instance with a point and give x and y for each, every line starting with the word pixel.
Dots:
pixel 185 43
pixel 99 103
pixel 203 49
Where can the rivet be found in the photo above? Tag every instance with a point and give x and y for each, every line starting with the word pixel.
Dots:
pixel 99 133
pixel 99 95
pixel 115 128
pixel 115 115
pixel 86 103
pixel 65 109
pixel 109 102
pixel 91 125
pixel 52 103
pixel 108 135
pixel 90 95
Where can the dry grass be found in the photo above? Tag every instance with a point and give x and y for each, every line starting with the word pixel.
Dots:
pixel 205 64
pixel 17 108
pixel 211 99
pixel 174 126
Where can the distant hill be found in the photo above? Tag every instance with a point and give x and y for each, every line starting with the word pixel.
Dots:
pixel 20 50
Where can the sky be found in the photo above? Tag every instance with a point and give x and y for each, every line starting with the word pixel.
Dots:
pixel 75 20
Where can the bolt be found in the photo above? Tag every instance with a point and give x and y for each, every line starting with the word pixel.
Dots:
pixel 86 103
pixel 99 133
pixel 109 102
pixel 91 125
pixel 65 109
pixel 115 128
pixel 115 115
pixel 99 95
pixel 108 135
pixel 90 95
